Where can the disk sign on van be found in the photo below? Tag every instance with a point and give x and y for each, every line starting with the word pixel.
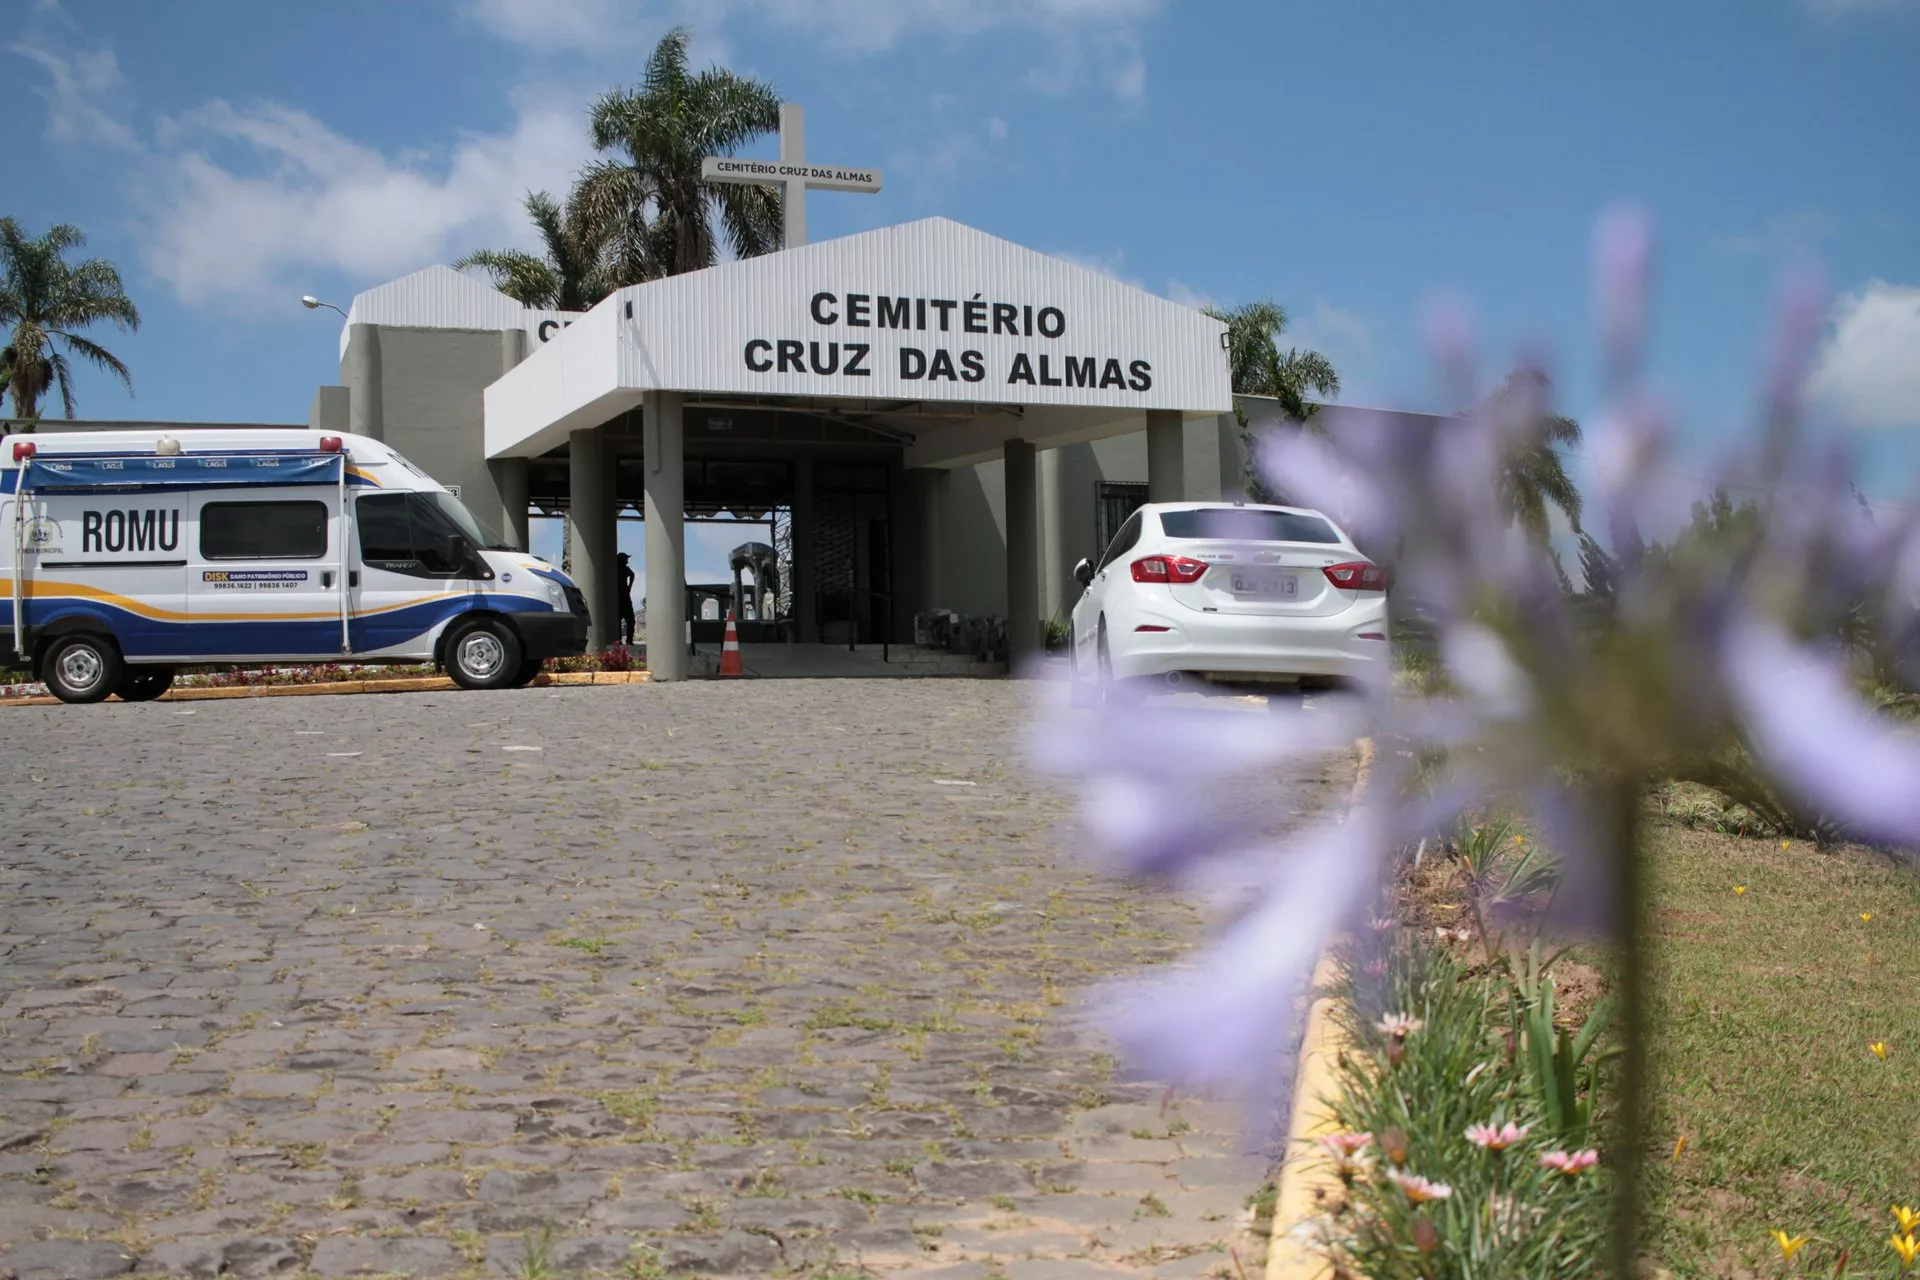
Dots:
pixel 128 554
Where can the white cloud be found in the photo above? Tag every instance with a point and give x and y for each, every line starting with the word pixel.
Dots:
pixel 1178 291
pixel 996 127
pixel 86 96
pixel 1782 234
pixel 1112 265
pixel 1868 370
pixel 1097 37
pixel 248 201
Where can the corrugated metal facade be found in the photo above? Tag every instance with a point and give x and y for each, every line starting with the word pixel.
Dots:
pixel 789 323
pixel 442 298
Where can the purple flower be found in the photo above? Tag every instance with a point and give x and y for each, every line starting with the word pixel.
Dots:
pixel 1568 711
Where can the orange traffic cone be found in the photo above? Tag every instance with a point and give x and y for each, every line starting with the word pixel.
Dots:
pixel 730 650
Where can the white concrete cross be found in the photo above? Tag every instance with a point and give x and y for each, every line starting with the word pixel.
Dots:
pixel 792 172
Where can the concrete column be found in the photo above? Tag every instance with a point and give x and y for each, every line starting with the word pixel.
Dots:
pixel 510 477
pixel 591 568
pixel 1166 456
pixel 665 510
pixel 1053 551
pixel 739 604
pixel 360 370
pixel 804 579
pixel 1024 638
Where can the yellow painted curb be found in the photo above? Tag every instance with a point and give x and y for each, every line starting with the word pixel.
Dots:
pixel 1308 1184
pixel 409 684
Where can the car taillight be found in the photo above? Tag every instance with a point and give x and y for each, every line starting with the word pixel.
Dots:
pixel 1168 569
pixel 1357 575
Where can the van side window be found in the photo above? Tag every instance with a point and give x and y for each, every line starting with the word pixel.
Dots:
pixel 405 533
pixel 263 530
pixel 1122 541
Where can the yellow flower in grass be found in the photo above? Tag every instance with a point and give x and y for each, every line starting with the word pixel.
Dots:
pixel 1907 1218
pixel 1879 1049
pixel 1739 889
pixel 1679 1145
pixel 1907 1247
pixel 1866 917
pixel 1789 1245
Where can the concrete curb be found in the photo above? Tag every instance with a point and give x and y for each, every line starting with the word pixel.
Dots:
pixel 412 684
pixel 1308 1185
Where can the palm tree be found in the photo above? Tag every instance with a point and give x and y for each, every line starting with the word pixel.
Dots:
pixel 646 212
pixel 566 279
pixel 46 300
pixel 1259 369
pixel 1533 475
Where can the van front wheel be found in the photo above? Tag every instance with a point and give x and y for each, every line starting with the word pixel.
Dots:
pixel 82 668
pixel 484 654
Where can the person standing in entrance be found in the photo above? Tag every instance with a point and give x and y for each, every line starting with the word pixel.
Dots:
pixel 626 600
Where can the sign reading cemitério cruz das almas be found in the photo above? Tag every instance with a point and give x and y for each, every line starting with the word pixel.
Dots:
pixel 924 311
pixel 931 340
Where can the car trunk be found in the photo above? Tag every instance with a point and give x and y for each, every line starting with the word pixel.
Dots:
pixel 1271 579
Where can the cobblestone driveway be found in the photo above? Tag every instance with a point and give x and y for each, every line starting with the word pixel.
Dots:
pixel 739 979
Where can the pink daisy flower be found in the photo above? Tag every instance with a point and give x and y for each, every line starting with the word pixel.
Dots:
pixel 1570 1163
pixel 1491 1138
pixel 1418 1189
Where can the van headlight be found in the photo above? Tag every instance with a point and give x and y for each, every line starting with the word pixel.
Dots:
pixel 555 595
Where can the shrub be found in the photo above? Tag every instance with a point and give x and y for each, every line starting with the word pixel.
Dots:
pixel 1429 1058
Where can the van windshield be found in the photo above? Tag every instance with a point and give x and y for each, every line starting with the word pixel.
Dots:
pixel 1246 524
pixel 464 520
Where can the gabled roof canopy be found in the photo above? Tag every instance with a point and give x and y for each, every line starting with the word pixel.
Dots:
pixel 916 322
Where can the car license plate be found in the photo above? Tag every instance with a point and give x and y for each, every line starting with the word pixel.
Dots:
pixel 1284 586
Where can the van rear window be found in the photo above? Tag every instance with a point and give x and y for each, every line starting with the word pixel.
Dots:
pixel 263 530
pixel 1245 524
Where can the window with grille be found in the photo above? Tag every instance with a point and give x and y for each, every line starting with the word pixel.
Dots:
pixel 1113 503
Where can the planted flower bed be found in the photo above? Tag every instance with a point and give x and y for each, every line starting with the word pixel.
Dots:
pixel 18 684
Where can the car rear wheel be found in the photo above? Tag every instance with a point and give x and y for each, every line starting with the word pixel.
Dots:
pixel 483 654
pixel 144 684
pixel 82 668
pixel 1079 692
pixel 1112 692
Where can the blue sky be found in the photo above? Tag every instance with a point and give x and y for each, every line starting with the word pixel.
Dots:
pixel 1350 160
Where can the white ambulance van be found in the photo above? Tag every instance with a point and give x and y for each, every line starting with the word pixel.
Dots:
pixel 128 554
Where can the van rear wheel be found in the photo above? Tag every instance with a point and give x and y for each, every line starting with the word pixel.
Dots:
pixel 484 654
pixel 82 668
pixel 144 684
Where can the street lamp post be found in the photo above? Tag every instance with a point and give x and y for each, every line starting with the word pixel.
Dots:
pixel 312 303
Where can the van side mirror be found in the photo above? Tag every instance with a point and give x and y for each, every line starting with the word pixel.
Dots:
pixel 454 547
pixel 1083 572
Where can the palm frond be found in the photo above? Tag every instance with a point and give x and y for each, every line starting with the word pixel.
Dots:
pixel 96 355
pixel 62 377
pixel 526 279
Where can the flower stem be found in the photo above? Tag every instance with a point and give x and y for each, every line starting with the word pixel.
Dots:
pixel 1622 812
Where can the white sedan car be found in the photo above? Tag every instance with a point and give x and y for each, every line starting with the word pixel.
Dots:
pixel 1229 593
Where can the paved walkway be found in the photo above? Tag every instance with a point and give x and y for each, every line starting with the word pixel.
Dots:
pixel 718 979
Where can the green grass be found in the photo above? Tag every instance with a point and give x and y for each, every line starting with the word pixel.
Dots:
pixel 1767 1006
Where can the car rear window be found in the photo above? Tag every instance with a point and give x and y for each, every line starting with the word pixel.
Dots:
pixel 1245 524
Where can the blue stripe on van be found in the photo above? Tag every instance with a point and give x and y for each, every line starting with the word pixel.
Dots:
pixel 142 637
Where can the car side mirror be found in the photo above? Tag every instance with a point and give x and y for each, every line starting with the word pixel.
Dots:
pixel 1083 572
